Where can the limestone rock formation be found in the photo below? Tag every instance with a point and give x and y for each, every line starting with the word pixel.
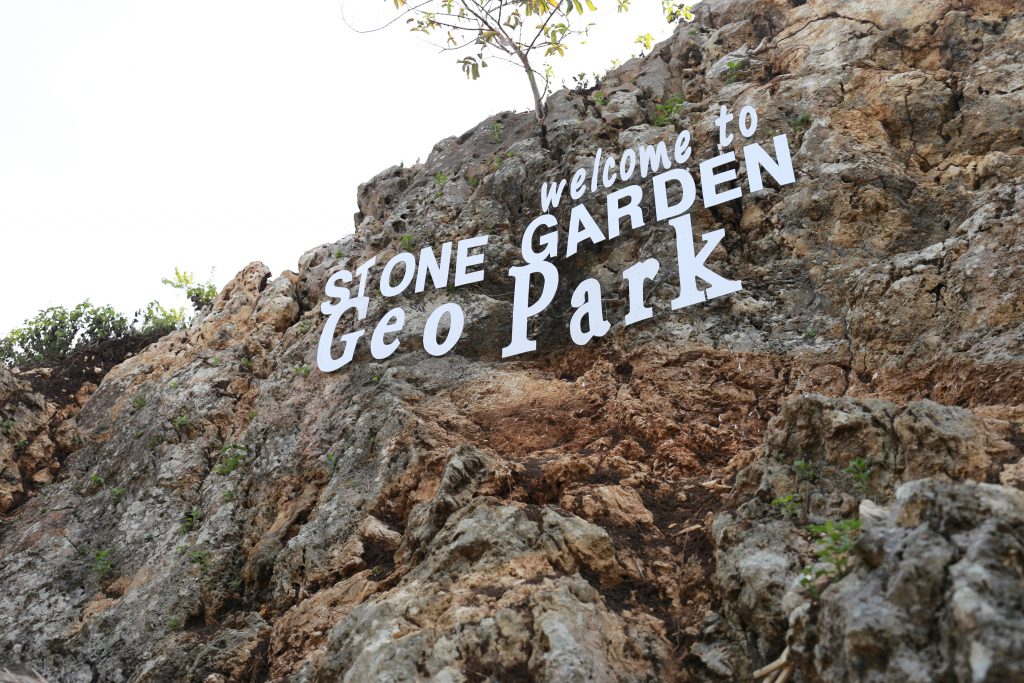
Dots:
pixel 636 509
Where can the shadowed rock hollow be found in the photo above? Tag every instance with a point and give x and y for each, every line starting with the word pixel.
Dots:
pixel 632 510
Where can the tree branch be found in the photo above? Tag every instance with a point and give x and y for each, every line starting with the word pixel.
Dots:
pixel 408 10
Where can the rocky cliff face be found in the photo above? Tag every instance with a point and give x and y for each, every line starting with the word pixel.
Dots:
pixel 632 510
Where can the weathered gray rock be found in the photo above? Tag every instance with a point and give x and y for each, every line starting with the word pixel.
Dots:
pixel 937 596
pixel 498 595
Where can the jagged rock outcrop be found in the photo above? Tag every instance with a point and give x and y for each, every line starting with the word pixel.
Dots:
pixel 937 594
pixel 34 435
pixel 635 509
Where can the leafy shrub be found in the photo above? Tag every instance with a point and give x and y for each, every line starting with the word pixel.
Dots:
pixel 181 423
pixel 201 294
pixel 156 318
pixel 500 157
pixel 102 564
pixel 497 132
pixel 804 469
pixel 669 110
pixel 231 456
pixel 736 70
pixel 54 332
pixel 198 557
pixel 190 521
pixel 786 505
pixel 834 543
pixel 52 335
pixel 860 471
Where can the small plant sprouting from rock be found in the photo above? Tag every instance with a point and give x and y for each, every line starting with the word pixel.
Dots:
pixel 201 294
pixel 227 495
pixel 6 427
pixel 500 157
pixel 834 543
pixel 406 242
pixel 600 99
pixel 138 402
pixel 497 132
pixel 338 253
pixel 735 70
pixel 304 326
pixel 102 564
pixel 181 423
pixel 21 444
pixel 215 361
pixel 118 492
pixel 247 363
pixel 303 370
pixel 332 462
pixel 199 558
pixel 173 624
pixel 860 471
pixel 440 180
pixel 231 456
pixel 802 121
pixel 786 505
pixel 804 469
pixel 95 481
pixel 191 521
pixel 581 82
pixel 810 333
pixel 666 112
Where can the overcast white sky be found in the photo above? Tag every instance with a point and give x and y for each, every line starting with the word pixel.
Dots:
pixel 140 135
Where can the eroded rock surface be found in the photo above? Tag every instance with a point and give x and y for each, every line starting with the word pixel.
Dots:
pixel 224 511
pixel 937 595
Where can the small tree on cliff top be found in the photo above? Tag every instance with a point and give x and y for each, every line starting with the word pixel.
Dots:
pixel 512 30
